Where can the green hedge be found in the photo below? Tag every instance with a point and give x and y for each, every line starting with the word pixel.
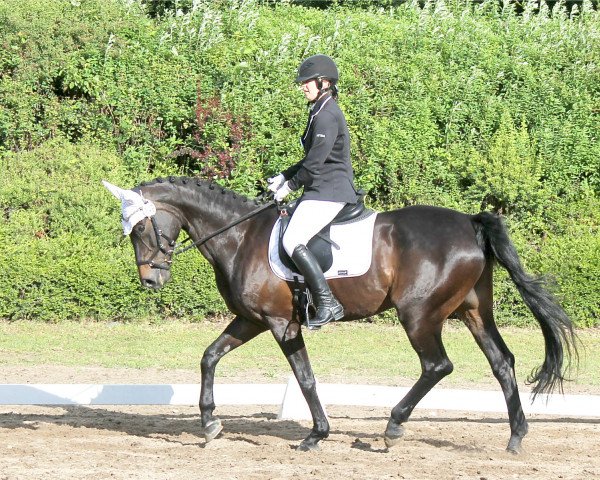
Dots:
pixel 459 105
pixel 63 253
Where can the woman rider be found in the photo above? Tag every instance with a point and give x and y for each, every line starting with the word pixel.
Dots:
pixel 325 174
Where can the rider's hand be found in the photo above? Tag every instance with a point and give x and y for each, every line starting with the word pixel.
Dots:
pixel 283 192
pixel 275 182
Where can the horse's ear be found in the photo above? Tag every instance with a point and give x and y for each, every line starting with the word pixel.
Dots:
pixel 134 207
pixel 116 191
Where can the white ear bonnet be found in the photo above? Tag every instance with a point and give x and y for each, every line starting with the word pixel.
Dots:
pixel 134 207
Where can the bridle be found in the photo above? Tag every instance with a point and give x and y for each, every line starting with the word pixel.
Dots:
pixel 172 248
pixel 167 251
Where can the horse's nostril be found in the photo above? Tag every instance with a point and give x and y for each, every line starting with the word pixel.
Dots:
pixel 148 283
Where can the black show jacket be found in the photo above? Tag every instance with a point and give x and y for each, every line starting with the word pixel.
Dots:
pixel 325 172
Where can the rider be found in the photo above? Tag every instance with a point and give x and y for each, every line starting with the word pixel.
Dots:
pixel 325 174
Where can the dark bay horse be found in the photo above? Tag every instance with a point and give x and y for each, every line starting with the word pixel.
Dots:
pixel 428 263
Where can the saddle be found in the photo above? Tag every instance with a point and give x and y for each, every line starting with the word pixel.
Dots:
pixel 321 244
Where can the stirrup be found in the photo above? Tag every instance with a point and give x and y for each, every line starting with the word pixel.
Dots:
pixel 335 312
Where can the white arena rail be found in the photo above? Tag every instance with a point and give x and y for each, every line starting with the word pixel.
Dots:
pixel 289 397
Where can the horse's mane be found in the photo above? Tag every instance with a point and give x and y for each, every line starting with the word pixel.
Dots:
pixel 198 182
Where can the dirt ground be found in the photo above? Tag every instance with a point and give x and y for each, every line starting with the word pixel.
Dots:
pixel 164 442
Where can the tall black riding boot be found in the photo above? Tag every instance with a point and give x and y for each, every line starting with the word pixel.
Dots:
pixel 328 307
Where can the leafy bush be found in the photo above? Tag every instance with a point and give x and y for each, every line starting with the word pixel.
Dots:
pixel 465 105
pixel 64 259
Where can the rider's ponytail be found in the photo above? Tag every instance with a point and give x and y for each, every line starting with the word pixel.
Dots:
pixel 334 91
pixel 331 88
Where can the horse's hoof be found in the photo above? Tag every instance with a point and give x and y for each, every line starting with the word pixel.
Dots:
pixel 514 446
pixel 514 449
pixel 212 429
pixel 393 437
pixel 308 447
pixel 391 441
pixel 310 443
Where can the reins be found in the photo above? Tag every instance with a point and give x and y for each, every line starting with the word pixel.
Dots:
pixel 220 230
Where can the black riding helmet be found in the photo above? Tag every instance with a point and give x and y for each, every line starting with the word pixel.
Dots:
pixel 317 66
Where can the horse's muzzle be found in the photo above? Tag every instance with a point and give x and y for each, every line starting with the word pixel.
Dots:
pixel 154 278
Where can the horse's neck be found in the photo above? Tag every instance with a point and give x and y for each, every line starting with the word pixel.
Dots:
pixel 208 210
pixel 204 209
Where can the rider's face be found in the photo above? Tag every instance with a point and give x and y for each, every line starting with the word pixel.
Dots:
pixel 311 90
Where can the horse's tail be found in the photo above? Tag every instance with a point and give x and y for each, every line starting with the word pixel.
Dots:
pixel 557 328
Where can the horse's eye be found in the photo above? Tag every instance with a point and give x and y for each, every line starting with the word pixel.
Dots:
pixel 139 228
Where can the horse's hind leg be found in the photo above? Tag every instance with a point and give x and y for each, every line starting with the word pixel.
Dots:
pixel 478 316
pixel 425 337
pixel 238 332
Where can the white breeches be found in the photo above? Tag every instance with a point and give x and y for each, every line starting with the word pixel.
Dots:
pixel 308 219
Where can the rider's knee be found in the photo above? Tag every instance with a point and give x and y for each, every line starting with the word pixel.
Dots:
pixel 289 243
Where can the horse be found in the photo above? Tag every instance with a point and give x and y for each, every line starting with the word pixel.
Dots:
pixel 428 263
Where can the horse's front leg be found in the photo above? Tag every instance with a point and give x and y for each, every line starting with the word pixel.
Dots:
pixel 238 332
pixel 289 337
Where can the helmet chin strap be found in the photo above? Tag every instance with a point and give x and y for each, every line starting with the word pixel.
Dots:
pixel 321 90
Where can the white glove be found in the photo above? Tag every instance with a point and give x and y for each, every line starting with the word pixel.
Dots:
pixel 283 192
pixel 276 182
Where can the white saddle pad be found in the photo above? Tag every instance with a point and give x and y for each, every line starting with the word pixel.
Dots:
pixel 351 260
